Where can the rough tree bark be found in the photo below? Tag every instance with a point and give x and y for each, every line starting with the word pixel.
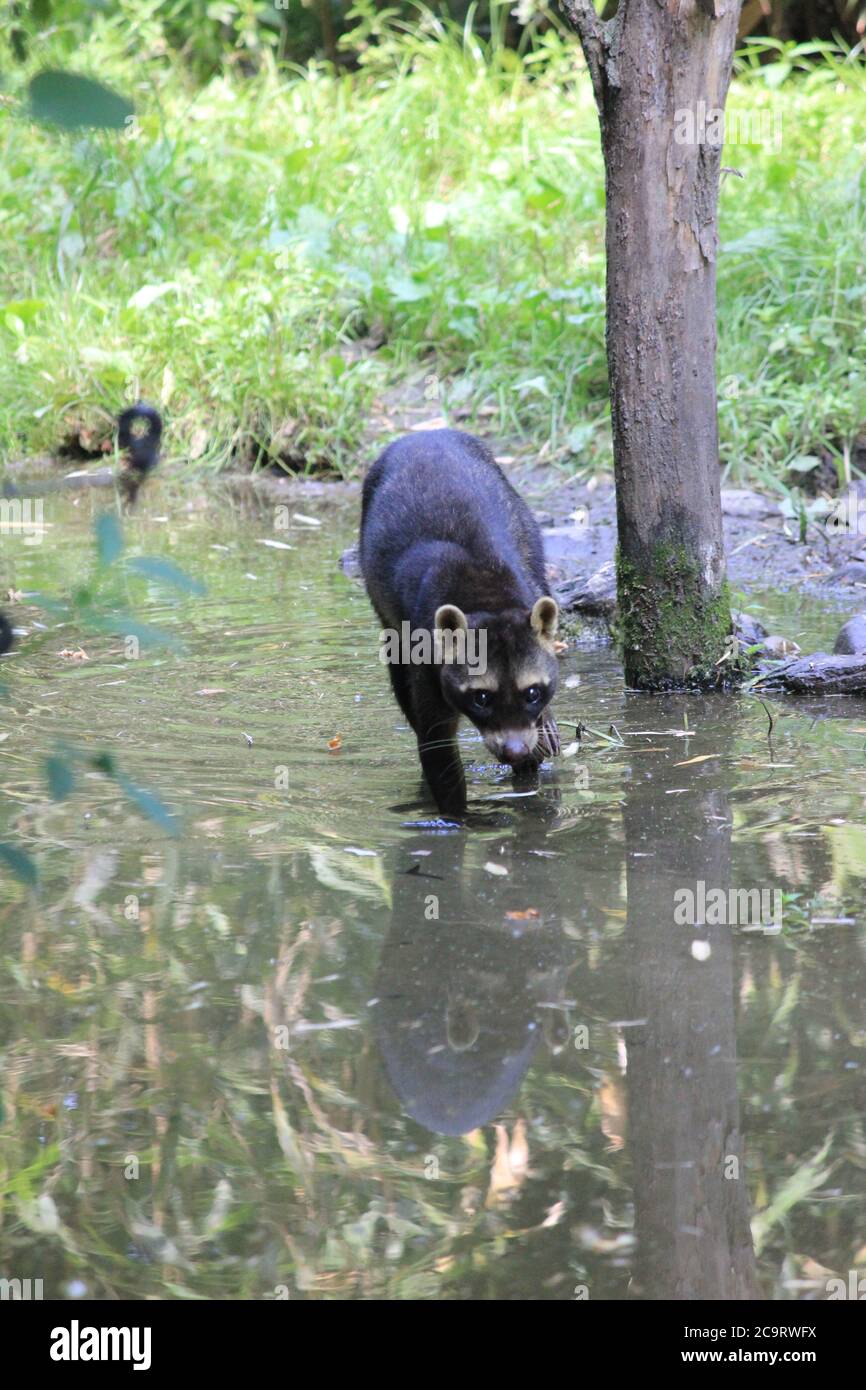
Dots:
pixel 650 64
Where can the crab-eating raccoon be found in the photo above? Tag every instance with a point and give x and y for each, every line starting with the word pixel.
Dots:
pixel 449 550
pixel 139 431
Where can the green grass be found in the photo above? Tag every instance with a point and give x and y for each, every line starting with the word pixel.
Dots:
pixel 231 259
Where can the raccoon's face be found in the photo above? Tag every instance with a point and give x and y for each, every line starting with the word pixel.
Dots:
pixel 501 673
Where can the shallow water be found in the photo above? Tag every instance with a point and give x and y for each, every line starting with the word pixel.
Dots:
pixel 318 1045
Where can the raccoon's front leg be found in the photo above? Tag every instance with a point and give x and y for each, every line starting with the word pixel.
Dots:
pixel 442 765
pixel 402 690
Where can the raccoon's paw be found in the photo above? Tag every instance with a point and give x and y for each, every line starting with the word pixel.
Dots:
pixel 548 737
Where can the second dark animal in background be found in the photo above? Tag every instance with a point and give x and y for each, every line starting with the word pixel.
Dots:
pixel 449 548
pixel 139 431
pixel 7 636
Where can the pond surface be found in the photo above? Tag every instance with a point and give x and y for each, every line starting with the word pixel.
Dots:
pixel 315 1045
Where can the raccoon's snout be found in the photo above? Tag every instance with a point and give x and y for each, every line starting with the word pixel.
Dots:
pixel 513 747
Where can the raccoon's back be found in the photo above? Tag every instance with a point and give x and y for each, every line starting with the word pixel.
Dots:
pixel 444 485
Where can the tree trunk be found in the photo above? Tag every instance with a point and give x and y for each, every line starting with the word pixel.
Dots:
pixel 660 71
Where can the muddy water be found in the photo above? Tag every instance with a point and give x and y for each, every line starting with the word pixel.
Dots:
pixel 314 1046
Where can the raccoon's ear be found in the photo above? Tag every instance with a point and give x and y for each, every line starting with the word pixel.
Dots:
pixel 544 617
pixel 450 618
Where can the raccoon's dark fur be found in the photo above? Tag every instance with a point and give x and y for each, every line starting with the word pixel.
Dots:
pixel 141 449
pixel 447 545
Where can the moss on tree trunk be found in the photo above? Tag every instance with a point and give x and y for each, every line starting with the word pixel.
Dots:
pixel 674 632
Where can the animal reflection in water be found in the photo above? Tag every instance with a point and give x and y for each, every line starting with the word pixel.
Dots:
pixel 461 1008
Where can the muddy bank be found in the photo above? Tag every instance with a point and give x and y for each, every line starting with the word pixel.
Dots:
pixel 762 545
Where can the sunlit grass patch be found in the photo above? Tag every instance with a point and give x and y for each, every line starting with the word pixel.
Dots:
pixel 266 255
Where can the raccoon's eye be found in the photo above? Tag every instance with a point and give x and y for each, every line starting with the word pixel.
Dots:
pixel 481 699
pixel 532 695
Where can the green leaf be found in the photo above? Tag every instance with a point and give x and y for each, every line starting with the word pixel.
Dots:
pixel 149 294
pixel 24 309
pixel 124 625
pixel 106 357
pixel 26 1181
pixel 795 1189
pixel 109 538
pixel 60 777
pixel 165 572
pixel 548 196
pixel 51 605
pixel 297 159
pixel 535 383
pixel 104 762
pixel 774 74
pixel 758 239
pixel 405 289
pixel 149 803
pixel 64 99
pixel 21 865
pixel 580 437
pixel 145 800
